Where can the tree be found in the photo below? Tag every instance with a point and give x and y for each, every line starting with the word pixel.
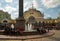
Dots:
pixel 58 16
pixel 4 15
pixel 49 18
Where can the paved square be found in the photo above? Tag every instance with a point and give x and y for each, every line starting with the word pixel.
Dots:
pixel 55 37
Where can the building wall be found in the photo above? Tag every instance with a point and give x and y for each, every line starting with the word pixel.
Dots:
pixel 33 12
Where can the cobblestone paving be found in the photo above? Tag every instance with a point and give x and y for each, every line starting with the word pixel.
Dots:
pixel 55 37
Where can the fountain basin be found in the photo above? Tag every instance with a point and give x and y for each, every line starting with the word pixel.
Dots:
pixel 5 37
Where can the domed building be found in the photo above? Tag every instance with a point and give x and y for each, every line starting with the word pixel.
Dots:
pixel 33 15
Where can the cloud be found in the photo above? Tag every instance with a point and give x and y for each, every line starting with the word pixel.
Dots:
pixel 9 8
pixel 51 3
pixel 13 11
pixel 9 1
pixel 40 9
pixel 1 8
pixel 35 4
pixel 46 16
pixel 27 5
pixel 14 15
pixel 0 4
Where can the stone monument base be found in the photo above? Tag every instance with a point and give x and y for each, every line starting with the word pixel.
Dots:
pixel 20 24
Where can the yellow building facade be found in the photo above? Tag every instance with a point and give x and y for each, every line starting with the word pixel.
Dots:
pixel 33 15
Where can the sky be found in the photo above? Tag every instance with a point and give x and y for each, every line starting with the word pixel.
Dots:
pixel 50 8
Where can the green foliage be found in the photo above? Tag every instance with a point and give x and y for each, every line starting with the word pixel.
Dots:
pixel 4 15
pixel 58 16
pixel 49 18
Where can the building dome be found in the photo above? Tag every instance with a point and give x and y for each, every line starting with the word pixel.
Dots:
pixel 33 12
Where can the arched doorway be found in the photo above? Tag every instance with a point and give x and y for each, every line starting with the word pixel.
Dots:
pixel 31 19
pixel 5 23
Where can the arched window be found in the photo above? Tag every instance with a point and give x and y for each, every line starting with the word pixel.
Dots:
pixel 31 19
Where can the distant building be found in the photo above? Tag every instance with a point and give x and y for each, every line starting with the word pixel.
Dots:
pixel 4 16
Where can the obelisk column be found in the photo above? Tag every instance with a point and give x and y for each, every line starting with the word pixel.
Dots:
pixel 20 8
pixel 20 22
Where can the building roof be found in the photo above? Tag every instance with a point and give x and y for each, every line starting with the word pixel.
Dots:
pixel 33 12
